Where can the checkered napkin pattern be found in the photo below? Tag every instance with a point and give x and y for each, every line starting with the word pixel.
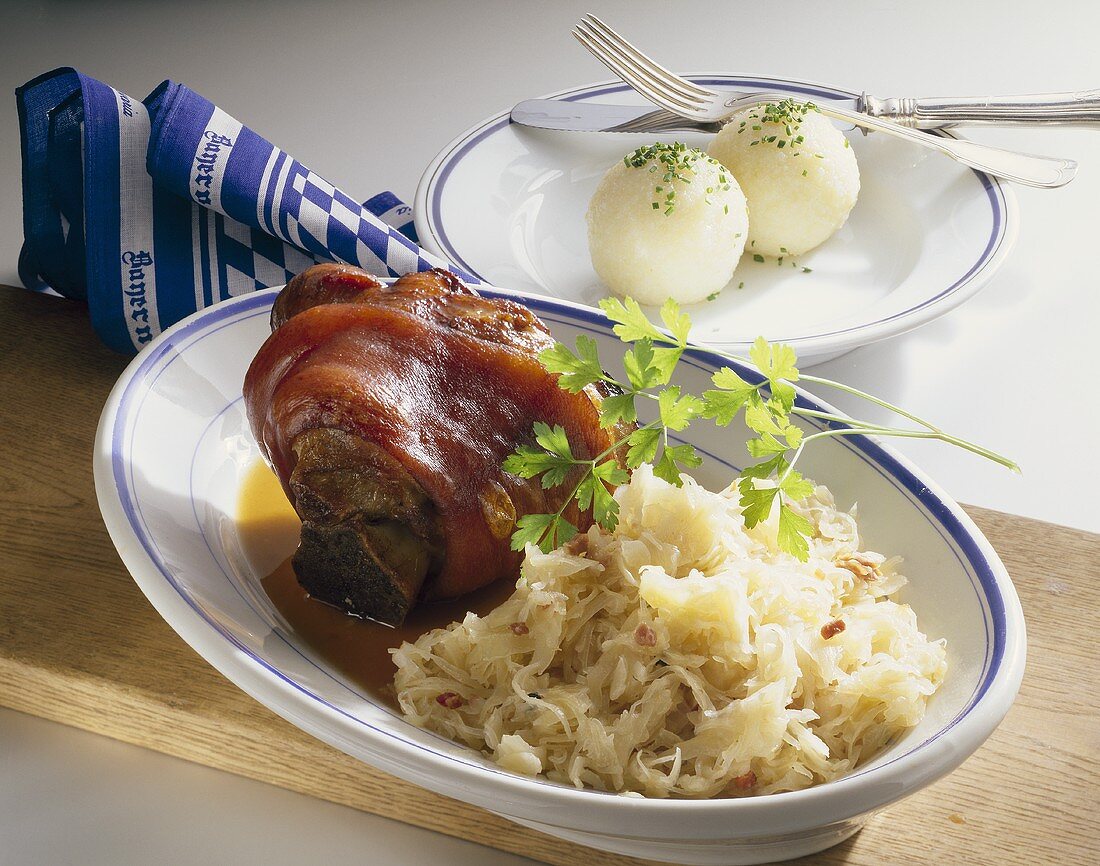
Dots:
pixel 150 210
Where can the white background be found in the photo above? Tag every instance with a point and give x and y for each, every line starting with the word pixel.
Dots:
pixel 367 93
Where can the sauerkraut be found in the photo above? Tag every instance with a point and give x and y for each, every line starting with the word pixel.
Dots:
pixel 683 655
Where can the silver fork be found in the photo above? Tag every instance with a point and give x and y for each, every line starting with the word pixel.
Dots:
pixel 690 100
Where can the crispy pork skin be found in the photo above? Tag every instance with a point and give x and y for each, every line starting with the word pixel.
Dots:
pixel 387 412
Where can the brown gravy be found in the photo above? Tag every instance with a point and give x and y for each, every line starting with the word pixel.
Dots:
pixel 268 528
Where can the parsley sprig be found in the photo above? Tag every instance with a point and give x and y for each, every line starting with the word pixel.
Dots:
pixel 554 461
pixel 767 406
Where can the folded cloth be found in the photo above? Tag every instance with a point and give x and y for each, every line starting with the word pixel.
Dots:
pixel 150 210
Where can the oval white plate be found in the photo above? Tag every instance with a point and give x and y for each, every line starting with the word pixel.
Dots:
pixel 507 203
pixel 173 447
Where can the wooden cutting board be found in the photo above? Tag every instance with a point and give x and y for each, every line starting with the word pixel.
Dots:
pixel 80 644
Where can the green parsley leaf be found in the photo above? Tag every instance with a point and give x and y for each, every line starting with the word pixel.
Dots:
pixel 756 502
pixel 685 455
pixel 678 323
pixel 677 411
pixel 554 440
pixel 775 360
pixel 766 446
pixel 616 408
pixel 585 491
pixel 795 486
pixel 530 529
pixel 611 472
pixel 605 509
pixel 783 394
pixel 529 462
pixel 728 379
pixel 545 530
pixel 723 405
pixel 665 359
pixel 577 371
pixel 776 465
pixel 593 493
pixel 638 363
pixel 794 530
pixel 643 446
pixel 631 322
pixel 793 434
pixel 561 531
pixel 666 467
pixel 760 419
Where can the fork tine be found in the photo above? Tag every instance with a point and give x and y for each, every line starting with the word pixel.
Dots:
pixel 627 62
pixel 658 120
pixel 660 73
pixel 630 76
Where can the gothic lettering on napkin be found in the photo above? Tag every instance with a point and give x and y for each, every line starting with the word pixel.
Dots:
pixel 137 262
pixel 205 161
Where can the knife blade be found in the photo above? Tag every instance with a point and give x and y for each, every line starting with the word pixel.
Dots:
pixel 568 116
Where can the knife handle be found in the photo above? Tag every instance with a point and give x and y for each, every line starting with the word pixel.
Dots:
pixel 1075 108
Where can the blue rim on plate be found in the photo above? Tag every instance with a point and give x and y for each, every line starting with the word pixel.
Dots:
pixel 125 403
pixel 1002 232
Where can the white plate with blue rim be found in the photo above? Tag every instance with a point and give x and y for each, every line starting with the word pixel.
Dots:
pixel 173 451
pixel 507 203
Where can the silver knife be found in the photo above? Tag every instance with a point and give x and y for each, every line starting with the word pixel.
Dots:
pixel 1080 108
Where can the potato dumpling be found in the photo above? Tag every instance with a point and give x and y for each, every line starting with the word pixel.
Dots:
pixel 796 170
pixel 667 222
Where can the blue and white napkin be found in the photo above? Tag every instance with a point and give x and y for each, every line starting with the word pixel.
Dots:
pixel 150 210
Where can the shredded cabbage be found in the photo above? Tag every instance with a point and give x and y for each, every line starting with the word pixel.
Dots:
pixel 683 655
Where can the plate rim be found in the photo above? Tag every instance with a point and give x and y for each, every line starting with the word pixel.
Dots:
pixel 838 800
pixel 823 346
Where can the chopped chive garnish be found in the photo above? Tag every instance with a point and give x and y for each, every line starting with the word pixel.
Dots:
pixel 787 114
pixel 675 162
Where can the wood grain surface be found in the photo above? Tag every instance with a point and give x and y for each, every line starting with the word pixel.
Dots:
pixel 80 644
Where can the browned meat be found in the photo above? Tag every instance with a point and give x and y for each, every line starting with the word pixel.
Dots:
pixel 387 412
